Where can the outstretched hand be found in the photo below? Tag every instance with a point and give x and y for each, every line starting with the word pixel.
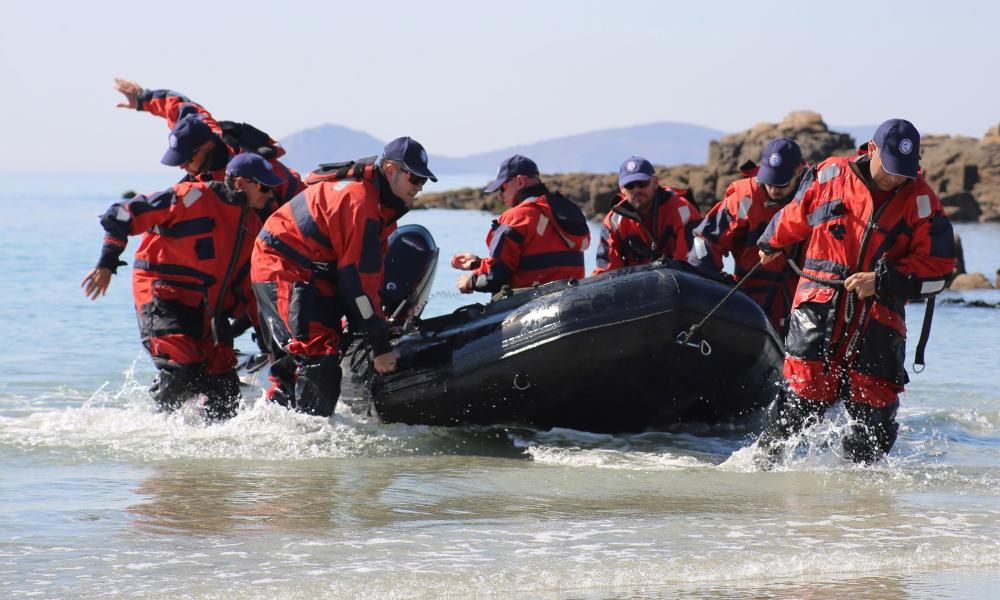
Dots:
pixel 131 90
pixel 465 261
pixel 95 284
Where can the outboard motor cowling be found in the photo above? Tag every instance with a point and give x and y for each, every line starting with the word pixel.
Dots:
pixel 410 264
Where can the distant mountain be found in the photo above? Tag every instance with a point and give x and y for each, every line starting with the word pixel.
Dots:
pixel 328 143
pixel 665 143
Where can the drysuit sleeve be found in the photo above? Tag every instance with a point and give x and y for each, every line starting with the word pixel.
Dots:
pixel 609 247
pixel 358 248
pixel 930 261
pixel 173 107
pixel 790 225
pixel 683 218
pixel 713 237
pixel 506 244
pixel 138 214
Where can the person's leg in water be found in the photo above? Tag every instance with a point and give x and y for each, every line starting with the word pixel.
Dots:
pixel 872 405
pixel 789 415
pixel 317 384
pixel 223 393
pixel 175 383
pixel 810 389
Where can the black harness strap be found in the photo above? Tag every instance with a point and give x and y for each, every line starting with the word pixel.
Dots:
pixel 925 333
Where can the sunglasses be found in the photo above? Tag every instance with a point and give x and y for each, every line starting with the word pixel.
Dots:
pixel 264 188
pixel 636 185
pixel 414 179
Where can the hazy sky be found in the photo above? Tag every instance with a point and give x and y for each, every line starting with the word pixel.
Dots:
pixel 466 77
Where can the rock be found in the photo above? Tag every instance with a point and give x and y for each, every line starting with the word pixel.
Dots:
pixel 971 281
pixel 996 282
pixel 961 207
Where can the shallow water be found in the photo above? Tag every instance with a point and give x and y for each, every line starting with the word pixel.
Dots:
pixel 100 496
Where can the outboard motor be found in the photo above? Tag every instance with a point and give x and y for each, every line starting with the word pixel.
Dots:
pixel 410 264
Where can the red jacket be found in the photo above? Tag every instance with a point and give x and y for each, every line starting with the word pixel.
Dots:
pixel 334 236
pixel 189 235
pixel 904 237
pixel 540 239
pixel 173 106
pixel 733 226
pixel 627 240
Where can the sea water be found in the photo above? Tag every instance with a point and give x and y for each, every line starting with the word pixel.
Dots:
pixel 102 497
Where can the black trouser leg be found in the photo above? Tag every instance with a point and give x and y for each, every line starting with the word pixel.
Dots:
pixel 873 432
pixel 789 415
pixel 175 383
pixel 223 392
pixel 283 378
pixel 317 385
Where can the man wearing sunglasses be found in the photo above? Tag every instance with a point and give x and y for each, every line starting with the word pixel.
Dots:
pixel 735 223
pixel 649 222
pixel 320 258
pixel 198 144
pixel 540 238
pixel 190 277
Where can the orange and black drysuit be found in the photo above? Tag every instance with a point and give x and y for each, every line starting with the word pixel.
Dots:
pixel 317 259
pixel 840 346
pixel 733 226
pixel 628 239
pixel 191 275
pixel 540 239
pixel 233 138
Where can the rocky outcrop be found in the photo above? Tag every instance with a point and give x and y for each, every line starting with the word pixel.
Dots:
pixel 964 171
pixel 971 281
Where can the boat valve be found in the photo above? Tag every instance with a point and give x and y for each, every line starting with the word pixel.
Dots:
pixel 521 382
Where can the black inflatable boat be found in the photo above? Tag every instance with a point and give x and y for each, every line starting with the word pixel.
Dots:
pixel 602 354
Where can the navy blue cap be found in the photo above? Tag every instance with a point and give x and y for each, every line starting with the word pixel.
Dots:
pixel 253 166
pixel 636 168
pixel 411 154
pixel 778 162
pixel 511 168
pixel 898 143
pixel 188 134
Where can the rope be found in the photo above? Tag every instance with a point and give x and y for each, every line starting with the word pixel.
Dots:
pixel 824 280
pixel 685 337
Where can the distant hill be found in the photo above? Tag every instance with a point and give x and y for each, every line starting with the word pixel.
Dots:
pixel 327 143
pixel 664 143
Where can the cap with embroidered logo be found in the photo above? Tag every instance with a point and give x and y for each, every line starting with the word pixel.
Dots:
pixel 188 134
pixel 635 168
pixel 898 143
pixel 778 162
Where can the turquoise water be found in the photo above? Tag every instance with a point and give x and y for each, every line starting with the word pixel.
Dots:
pixel 100 496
